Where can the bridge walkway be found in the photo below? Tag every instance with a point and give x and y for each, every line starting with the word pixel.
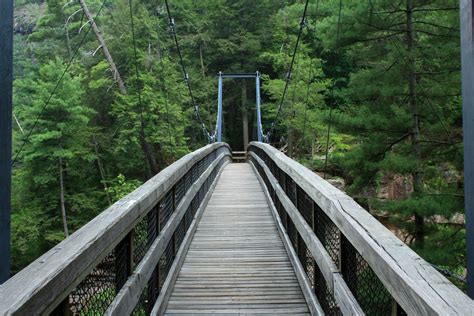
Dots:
pixel 237 263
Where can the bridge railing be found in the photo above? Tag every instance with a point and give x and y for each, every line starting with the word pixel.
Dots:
pixel 118 262
pixel 352 262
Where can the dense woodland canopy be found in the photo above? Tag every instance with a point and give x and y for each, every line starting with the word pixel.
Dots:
pixel 376 82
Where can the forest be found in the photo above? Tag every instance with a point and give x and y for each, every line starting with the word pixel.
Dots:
pixel 373 105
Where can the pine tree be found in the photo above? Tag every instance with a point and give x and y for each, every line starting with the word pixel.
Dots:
pixel 54 178
pixel 403 95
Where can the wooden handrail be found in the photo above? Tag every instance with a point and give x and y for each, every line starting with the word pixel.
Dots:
pixel 43 284
pixel 415 285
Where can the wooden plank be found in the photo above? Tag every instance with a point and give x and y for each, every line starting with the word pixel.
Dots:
pixel 308 291
pixel 346 301
pixel 165 292
pixel 50 278
pixel 414 284
pixel 129 295
pixel 237 255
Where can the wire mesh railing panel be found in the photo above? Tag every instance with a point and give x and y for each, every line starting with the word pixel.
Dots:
pixel 154 288
pixel 194 173
pixel 306 259
pixel 95 293
pixel 179 234
pixel 194 205
pixel 142 307
pixel 292 232
pixel 304 205
pixel 188 180
pixel 149 295
pixel 328 233
pixel 140 239
pixel 201 194
pixel 281 179
pixel 368 290
pixel 179 191
pixel 324 295
pixel 371 294
pixel 290 189
pixel 188 217
pixel 166 209
pixel 165 263
pixel 123 266
pixel 114 249
pixel 153 225
pixel 200 166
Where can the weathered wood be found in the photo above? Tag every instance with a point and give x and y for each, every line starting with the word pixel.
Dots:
pixel 313 303
pixel 129 295
pixel 51 277
pixel 161 303
pixel 236 262
pixel 345 300
pixel 414 283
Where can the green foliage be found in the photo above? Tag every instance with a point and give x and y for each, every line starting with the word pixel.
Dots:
pixel 357 82
pixel 120 187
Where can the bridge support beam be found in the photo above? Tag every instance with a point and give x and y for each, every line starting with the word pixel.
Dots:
pixel 255 75
pixel 259 117
pixel 6 78
pixel 219 109
pixel 467 63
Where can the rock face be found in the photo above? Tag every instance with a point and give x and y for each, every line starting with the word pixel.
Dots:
pixel 26 17
pixel 338 182
pixel 395 187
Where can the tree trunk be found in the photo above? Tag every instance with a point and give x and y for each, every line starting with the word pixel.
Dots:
pixel 101 169
pixel 415 138
pixel 291 140
pixel 63 202
pixel 148 153
pixel 146 147
pixel 245 120
pixel 102 43
pixel 201 58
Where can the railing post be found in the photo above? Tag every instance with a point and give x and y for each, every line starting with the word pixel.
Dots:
pixel 467 65
pixel 348 263
pixel 6 77
pixel 219 109
pixel 259 117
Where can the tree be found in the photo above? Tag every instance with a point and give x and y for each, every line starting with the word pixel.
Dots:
pixel 403 94
pixel 55 159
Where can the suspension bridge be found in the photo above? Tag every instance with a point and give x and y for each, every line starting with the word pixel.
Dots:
pixel 223 232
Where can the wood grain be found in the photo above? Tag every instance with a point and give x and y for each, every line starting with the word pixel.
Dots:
pixel 129 295
pixel 48 280
pixel 237 263
pixel 413 282
pixel 342 294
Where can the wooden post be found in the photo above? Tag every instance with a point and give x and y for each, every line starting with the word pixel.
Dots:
pixel 6 79
pixel 245 121
pixel 467 63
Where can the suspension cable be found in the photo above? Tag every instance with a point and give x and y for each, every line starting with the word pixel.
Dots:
pixel 137 85
pixel 185 74
pixel 48 100
pixel 288 75
pixel 306 103
pixel 165 92
pixel 332 94
pixel 310 78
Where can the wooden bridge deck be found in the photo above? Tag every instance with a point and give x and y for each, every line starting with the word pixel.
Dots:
pixel 237 263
